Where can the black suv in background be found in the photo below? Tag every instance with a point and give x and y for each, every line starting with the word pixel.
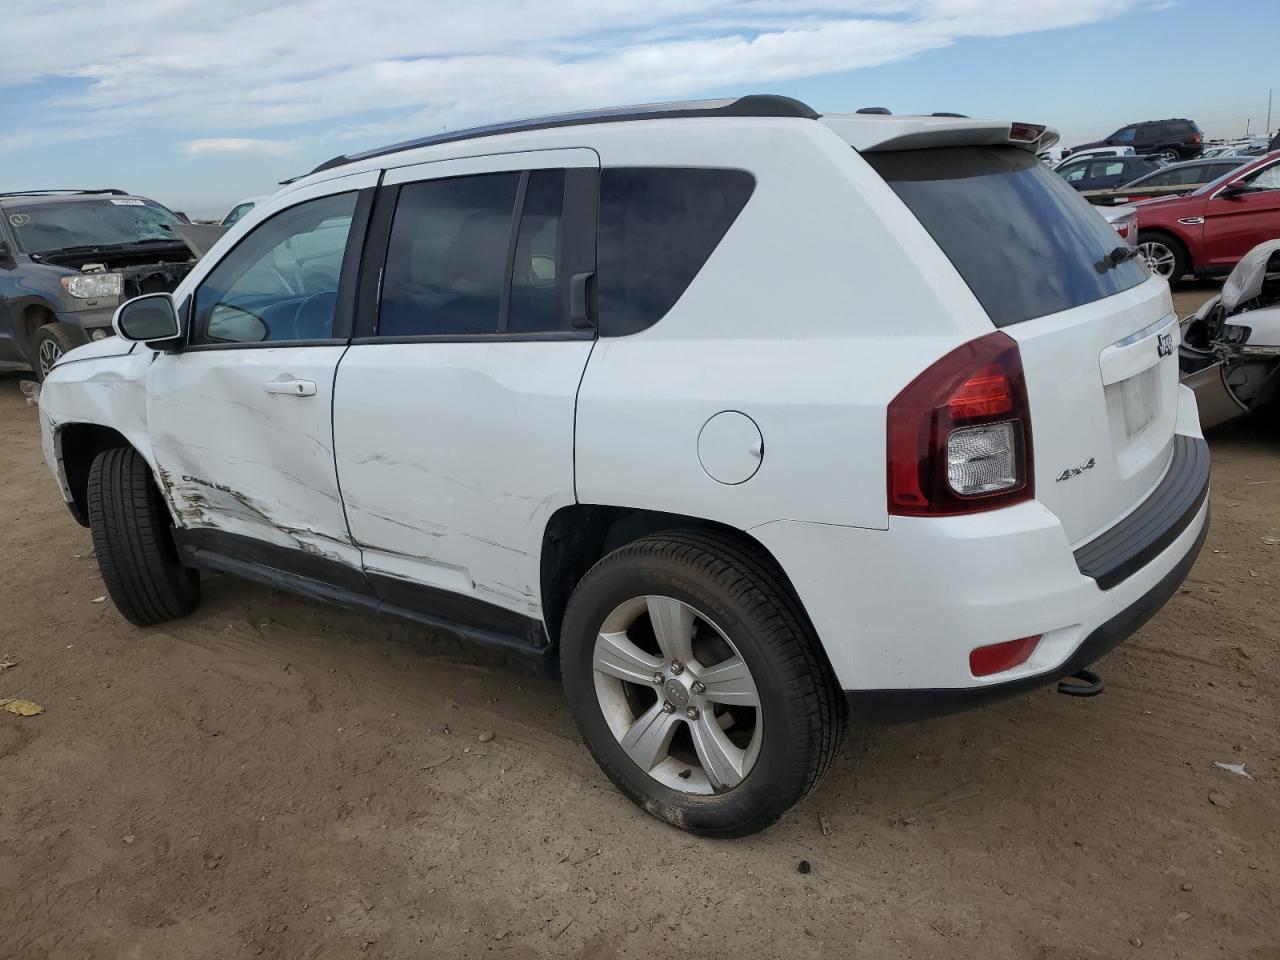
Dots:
pixel 68 258
pixel 1170 140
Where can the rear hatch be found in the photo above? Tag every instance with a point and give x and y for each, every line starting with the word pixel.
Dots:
pixel 1098 338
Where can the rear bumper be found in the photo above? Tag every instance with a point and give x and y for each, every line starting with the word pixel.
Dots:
pixel 892 706
pixel 898 611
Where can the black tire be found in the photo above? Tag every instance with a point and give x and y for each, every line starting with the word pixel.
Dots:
pixel 1169 154
pixel 750 600
pixel 50 342
pixel 133 541
pixel 1181 262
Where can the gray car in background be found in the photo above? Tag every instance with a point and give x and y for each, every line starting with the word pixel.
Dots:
pixel 68 258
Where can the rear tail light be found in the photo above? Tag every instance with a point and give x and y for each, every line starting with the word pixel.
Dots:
pixel 1000 657
pixel 959 435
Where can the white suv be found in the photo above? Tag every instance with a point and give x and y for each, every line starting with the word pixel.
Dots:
pixel 760 421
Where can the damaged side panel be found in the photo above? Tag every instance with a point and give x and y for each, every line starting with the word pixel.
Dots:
pixel 110 393
pixel 239 459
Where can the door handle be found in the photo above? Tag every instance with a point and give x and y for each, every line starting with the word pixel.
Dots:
pixel 291 388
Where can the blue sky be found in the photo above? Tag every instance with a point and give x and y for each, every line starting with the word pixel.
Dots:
pixel 199 104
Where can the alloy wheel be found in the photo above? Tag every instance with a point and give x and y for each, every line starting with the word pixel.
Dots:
pixel 47 356
pixel 677 695
pixel 1159 257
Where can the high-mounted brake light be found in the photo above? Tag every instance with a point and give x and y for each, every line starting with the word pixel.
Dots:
pixel 959 435
pixel 1026 132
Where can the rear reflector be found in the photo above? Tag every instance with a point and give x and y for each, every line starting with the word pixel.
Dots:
pixel 999 657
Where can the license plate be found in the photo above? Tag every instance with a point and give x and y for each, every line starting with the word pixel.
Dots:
pixel 1139 399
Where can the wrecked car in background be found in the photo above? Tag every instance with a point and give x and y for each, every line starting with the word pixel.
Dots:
pixel 68 258
pixel 1230 352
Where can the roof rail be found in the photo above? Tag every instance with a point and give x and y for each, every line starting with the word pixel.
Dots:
pixel 754 105
pixel 41 193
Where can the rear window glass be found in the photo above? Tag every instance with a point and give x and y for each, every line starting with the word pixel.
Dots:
pixel 1023 240
pixel 658 226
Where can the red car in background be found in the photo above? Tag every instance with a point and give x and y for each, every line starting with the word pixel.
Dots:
pixel 1207 232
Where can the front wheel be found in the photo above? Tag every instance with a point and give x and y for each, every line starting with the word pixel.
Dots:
pixel 697 682
pixel 133 541
pixel 48 344
pixel 1163 256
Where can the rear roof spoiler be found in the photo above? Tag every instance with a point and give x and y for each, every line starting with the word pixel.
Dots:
pixel 866 132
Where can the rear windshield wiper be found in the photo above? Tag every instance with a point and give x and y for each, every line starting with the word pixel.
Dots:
pixel 1117 256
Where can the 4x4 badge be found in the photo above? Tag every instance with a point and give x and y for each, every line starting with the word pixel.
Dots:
pixel 1070 472
pixel 1164 344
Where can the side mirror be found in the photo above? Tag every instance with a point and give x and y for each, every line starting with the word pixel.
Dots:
pixel 148 319
pixel 6 255
pixel 1234 191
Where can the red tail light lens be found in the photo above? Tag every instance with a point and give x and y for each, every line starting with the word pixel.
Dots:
pixel 959 435
pixel 999 657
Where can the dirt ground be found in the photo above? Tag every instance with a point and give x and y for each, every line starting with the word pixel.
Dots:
pixel 274 777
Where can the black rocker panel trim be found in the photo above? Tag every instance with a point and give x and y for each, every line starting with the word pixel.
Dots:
pixel 321 578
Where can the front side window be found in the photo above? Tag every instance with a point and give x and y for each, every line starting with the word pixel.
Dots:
pixel 1268 179
pixel 1127 135
pixel 1074 174
pixel 281 281
pixel 658 227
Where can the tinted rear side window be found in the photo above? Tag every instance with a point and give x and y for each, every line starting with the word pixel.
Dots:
pixel 447 258
pixel 1023 240
pixel 658 226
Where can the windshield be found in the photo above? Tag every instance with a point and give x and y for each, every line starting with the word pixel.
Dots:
pixel 1023 240
pixel 111 221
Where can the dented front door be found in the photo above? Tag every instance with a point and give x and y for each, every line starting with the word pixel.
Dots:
pixel 244 450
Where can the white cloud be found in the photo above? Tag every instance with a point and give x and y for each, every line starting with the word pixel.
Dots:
pixel 240 145
pixel 241 66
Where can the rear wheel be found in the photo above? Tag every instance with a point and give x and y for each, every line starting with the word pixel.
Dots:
pixel 133 541
pixel 48 344
pixel 1163 255
pixel 1167 154
pixel 697 683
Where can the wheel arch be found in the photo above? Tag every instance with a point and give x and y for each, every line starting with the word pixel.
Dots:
pixel 1171 234
pixel 577 536
pixel 77 445
pixel 29 315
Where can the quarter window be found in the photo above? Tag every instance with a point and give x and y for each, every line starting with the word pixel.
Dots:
pixel 658 227
pixel 281 281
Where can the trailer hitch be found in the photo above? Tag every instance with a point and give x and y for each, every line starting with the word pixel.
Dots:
pixel 1090 684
